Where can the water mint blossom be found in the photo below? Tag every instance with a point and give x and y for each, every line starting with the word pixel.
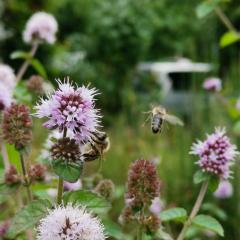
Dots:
pixel 224 190
pixel 7 77
pixel 70 223
pixel 216 154
pixel 71 107
pixel 41 26
pixel 5 97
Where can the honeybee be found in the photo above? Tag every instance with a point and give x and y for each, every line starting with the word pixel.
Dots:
pixel 98 145
pixel 158 115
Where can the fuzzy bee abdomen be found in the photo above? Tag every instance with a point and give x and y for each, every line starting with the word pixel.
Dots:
pixel 157 122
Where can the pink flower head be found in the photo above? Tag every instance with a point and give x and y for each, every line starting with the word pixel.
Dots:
pixel 216 153
pixel 41 26
pixel 7 77
pixel 224 190
pixel 212 84
pixel 71 108
pixel 5 97
pixel 156 206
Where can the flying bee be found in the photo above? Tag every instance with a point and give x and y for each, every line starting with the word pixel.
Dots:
pixel 98 145
pixel 158 115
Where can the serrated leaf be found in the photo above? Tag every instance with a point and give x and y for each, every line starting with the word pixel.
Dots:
pixel 229 38
pixel 173 214
pixel 28 217
pixel 200 176
pixel 86 198
pixel 37 65
pixel 208 223
pixel 70 172
pixel 19 54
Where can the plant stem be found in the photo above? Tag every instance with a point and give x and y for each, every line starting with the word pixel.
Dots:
pixel 225 20
pixel 26 63
pixel 140 233
pixel 195 210
pixel 60 179
pixel 60 190
pixel 25 177
pixel 4 155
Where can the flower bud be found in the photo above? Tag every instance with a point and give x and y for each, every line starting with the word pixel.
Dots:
pixel 12 176
pixel 35 84
pixel 37 172
pixel 105 188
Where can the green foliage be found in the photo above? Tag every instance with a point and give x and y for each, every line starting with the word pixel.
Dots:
pixel 208 223
pixel 229 38
pixel 86 198
pixel 28 217
pixel 200 177
pixel 69 171
pixel 213 183
pixel 19 54
pixel 37 65
pixel 173 214
pixel 206 7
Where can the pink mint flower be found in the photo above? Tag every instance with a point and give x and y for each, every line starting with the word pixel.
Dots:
pixel 156 206
pixel 5 97
pixel 224 190
pixel 7 77
pixel 212 84
pixel 41 26
pixel 72 108
pixel 216 153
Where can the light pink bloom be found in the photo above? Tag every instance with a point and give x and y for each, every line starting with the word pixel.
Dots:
pixel 156 206
pixel 7 77
pixel 216 153
pixel 212 84
pixel 72 186
pixel 5 97
pixel 72 108
pixel 224 190
pixel 41 26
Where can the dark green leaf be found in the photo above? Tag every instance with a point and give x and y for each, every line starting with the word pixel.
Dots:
pixel 208 223
pixel 86 198
pixel 70 172
pixel 213 183
pixel 173 214
pixel 28 217
pixel 200 176
pixel 229 38
pixel 19 54
pixel 37 65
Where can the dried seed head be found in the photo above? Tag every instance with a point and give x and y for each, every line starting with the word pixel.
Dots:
pixel 143 184
pixel 17 125
pixel 105 188
pixel 37 172
pixel 66 149
pixel 35 84
pixel 152 224
pixel 12 176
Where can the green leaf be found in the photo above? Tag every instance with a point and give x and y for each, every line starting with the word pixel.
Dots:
pixel 19 54
pixel 206 7
pixel 37 65
pixel 213 183
pixel 229 38
pixel 86 198
pixel 70 172
pixel 28 216
pixel 173 214
pixel 22 94
pixel 236 128
pixel 200 176
pixel 208 223
pixel 162 235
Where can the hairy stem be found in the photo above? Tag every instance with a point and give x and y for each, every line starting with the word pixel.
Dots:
pixel 25 177
pixel 26 63
pixel 195 210
pixel 225 20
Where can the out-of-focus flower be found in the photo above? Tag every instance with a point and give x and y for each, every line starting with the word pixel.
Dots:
pixel 105 188
pixel 71 108
pixel 68 186
pixel 238 104
pixel 156 206
pixel 41 27
pixel 216 153
pixel 70 222
pixel 4 226
pixel 5 97
pixel 35 84
pixel 224 190
pixel 37 172
pixel 17 125
pixel 11 176
pixel 7 77
pixel 212 84
pixel 143 183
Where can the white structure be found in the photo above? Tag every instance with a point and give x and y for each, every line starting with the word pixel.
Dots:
pixel 161 70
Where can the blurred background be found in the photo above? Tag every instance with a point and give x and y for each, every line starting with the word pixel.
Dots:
pixel 139 53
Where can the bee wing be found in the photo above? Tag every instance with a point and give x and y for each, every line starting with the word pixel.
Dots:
pixel 173 120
